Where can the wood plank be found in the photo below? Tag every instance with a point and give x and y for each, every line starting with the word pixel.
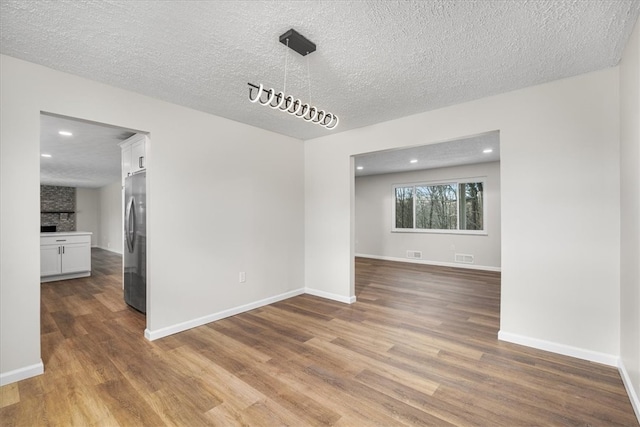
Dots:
pixel 9 395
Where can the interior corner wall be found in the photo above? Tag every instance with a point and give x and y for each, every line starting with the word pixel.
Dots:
pixel 111 227
pixel 223 198
pixel 559 145
pixel 88 212
pixel 630 216
pixel 373 221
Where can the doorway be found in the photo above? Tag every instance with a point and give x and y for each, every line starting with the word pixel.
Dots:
pixel 436 204
pixel 82 180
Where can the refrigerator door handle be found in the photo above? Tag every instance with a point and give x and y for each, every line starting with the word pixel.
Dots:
pixel 132 220
pixel 127 224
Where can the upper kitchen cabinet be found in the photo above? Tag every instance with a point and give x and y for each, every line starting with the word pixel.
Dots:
pixel 133 155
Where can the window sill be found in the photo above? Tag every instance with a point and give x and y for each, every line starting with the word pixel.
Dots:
pixel 458 232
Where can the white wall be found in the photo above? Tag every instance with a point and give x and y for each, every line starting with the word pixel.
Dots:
pixel 630 217
pixel 223 197
pixel 111 237
pixel 19 273
pixel 373 218
pixel 559 145
pixel 99 210
pixel 88 212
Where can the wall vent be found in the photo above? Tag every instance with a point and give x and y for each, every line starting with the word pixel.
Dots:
pixel 464 258
pixel 414 254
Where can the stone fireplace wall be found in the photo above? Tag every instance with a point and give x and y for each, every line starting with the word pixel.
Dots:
pixel 58 206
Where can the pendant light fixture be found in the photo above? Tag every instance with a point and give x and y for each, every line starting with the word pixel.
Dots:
pixel 287 103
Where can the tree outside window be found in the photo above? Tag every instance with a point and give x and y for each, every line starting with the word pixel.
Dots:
pixel 471 206
pixel 442 206
pixel 436 207
pixel 404 207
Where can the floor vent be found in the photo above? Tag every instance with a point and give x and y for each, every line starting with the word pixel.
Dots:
pixel 464 258
pixel 414 254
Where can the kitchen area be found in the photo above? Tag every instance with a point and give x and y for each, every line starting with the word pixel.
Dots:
pixel 93 203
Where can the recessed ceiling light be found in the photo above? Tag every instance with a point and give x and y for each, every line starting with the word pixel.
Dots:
pixel 65 133
pixel 360 168
pixel 487 151
pixel 45 155
pixel 413 161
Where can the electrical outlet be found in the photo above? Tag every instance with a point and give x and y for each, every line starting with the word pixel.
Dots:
pixel 243 277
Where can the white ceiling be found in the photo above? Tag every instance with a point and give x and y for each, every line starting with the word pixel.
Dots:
pixel 465 151
pixel 375 60
pixel 90 158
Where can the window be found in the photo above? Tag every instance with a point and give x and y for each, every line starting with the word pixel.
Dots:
pixel 454 206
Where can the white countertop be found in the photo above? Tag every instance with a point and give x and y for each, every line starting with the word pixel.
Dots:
pixel 66 233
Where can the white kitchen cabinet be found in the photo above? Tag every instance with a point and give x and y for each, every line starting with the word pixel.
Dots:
pixel 50 260
pixel 134 158
pixel 65 255
pixel 138 158
pixel 76 257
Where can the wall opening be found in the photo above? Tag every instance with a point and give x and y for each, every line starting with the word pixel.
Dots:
pixel 423 169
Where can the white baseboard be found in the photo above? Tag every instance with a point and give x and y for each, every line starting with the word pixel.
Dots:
pixel 328 295
pixel 633 395
pixel 426 262
pixel 566 350
pixel 45 279
pixel 108 249
pixel 174 329
pixel 22 373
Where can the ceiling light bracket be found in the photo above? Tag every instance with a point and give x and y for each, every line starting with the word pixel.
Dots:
pixel 296 41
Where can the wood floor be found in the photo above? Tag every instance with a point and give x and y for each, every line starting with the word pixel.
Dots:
pixel 418 348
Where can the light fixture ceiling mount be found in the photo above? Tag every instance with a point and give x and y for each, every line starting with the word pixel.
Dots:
pixel 278 100
pixel 296 41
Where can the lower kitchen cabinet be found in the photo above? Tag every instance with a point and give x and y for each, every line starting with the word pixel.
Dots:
pixel 65 256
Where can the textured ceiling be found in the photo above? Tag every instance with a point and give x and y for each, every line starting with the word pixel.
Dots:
pixel 375 60
pixel 464 151
pixel 89 158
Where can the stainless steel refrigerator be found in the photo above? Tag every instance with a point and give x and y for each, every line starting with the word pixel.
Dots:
pixel 135 239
